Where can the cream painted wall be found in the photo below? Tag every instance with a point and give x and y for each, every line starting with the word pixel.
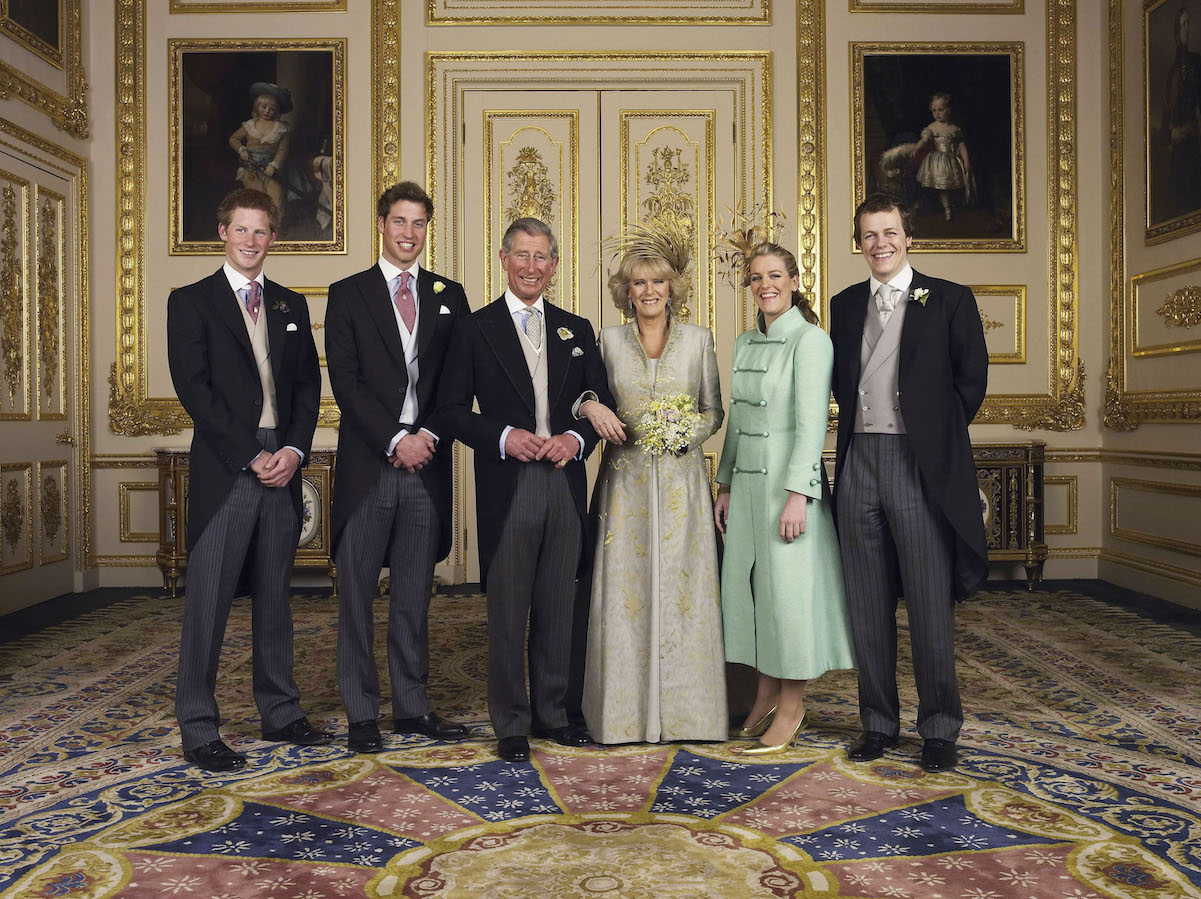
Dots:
pixel 1082 544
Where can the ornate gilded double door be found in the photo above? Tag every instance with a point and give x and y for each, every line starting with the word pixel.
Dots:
pixel 588 162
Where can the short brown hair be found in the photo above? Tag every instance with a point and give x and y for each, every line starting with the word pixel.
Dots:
pixel 881 202
pixel 405 190
pixel 247 198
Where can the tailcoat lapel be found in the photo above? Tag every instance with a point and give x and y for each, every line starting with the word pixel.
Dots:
pixel 558 352
pixel 427 311
pixel 225 303
pixel 498 330
pixel 276 322
pixel 855 320
pixel 916 320
pixel 379 304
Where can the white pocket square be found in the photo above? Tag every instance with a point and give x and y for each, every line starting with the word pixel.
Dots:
pixel 291 326
pixel 442 310
pixel 576 351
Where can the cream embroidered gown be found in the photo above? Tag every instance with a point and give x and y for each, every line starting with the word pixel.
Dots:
pixel 656 667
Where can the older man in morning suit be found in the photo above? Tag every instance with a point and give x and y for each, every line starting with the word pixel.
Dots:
pixel 910 373
pixel 526 361
pixel 244 365
pixel 386 334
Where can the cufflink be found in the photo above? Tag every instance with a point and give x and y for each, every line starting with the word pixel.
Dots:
pixel 291 326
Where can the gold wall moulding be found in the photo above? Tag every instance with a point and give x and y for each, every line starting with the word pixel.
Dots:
pixel 598 12
pixel 72 169
pixel 14 289
pixel 132 410
pixel 811 151
pixel 1160 488
pixel 67 107
pixel 16 516
pixel 1182 308
pixel 251 6
pixel 50 258
pixel 992 7
pixel 1071 483
pixel 1016 293
pixel 1151 566
pixel 126 489
pixel 56 514
pixel 1125 409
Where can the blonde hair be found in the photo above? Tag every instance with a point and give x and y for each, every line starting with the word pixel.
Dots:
pixel 654 267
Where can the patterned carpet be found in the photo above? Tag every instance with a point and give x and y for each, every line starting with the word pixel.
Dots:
pixel 1080 777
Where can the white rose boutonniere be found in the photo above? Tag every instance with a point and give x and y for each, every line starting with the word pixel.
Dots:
pixel 565 334
pixel 439 286
pixel 921 295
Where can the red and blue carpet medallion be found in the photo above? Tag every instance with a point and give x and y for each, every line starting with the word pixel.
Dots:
pixel 1079 779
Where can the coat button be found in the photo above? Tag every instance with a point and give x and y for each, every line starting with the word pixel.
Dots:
pixel 816 466
pixel 258 402
pixel 813 482
pixel 865 408
pixel 862 392
pixel 762 471
pixel 762 402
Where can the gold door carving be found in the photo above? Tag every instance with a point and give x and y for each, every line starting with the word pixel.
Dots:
pixel 15 402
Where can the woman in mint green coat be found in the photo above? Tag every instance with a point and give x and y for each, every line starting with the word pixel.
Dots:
pixel 783 605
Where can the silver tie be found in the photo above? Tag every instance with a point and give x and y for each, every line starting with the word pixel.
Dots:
pixel 886 301
pixel 533 327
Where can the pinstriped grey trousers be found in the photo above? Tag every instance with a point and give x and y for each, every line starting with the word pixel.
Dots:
pixel 895 542
pixel 262 517
pixel 531 580
pixel 396 522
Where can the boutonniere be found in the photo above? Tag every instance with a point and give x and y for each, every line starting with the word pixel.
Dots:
pixel 576 351
pixel 921 295
pixel 281 306
pixel 439 286
pixel 565 334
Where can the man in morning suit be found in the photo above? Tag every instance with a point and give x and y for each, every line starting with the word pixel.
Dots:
pixel 245 368
pixel 526 361
pixel 910 372
pixel 386 334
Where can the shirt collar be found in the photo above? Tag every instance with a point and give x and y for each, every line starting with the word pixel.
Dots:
pixel 901 280
pixel 391 271
pixel 237 280
pixel 515 305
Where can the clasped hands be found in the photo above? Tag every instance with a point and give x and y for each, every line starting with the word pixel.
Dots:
pixel 275 469
pixel 525 446
pixel 413 451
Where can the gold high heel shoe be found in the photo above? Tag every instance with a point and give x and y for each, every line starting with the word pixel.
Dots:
pixel 754 730
pixel 765 749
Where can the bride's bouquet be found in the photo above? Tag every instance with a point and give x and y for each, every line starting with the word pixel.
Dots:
pixel 665 424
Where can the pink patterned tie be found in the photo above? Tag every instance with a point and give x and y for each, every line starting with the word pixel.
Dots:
pixel 404 302
pixel 254 300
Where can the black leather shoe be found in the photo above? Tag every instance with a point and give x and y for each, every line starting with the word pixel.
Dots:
pixel 568 735
pixel 513 749
pixel 299 732
pixel 365 737
pixel 430 725
pixel 215 756
pixel 939 755
pixel 870 745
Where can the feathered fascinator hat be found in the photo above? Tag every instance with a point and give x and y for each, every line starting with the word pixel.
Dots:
pixel 667 239
pixel 737 239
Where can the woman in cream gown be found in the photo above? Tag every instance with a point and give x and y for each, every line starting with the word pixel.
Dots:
pixel 655 667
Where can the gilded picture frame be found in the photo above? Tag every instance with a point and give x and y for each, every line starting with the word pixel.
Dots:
pixel 37 26
pixel 249 6
pixel 1171 118
pixel 942 127
pixel 991 7
pixel 596 12
pixel 266 114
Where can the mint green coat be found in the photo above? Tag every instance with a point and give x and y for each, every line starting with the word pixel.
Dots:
pixel 783 606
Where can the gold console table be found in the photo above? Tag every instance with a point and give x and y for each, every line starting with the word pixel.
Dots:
pixel 312 550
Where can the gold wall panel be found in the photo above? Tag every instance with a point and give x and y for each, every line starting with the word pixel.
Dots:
pixel 65 103
pixel 111 512
pixel 598 12
pixel 667 174
pixel 811 152
pixel 1003 315
pixel 17 518
pixel 249 6
pixel 939 6
pixel 1071 502
pixel 1127 408
pixel 75 379
pixel 1165 312
pixel 54 535
pixel 531 168
pixel 132 410
pixel 1154 509
pixel 50 385
pixel 126 489
pixel 16 358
